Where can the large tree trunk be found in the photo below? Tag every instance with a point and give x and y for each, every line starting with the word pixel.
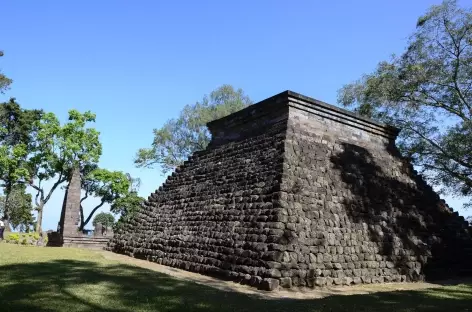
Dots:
pixel 39 222
pixel 84 223
pixel 6 216
pixel 6 220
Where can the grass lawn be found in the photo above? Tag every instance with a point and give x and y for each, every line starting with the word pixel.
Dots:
pixel 62 279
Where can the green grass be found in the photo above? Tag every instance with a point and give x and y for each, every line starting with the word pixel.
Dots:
pixel 61 279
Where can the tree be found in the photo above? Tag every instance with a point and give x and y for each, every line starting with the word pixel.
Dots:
pixel 127 206
pixel 18 206
pixel 12 170
pixel 4 80
pixel 17 125
pixel 427 91
pixel 58 150
pixel 107 185
pixel 17 130
pixel 104 218
pixel 180 137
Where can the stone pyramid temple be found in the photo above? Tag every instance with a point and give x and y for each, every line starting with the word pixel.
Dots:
pixel 295 192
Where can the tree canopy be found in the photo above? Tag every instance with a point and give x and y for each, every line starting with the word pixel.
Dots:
pixel 126 206
pixel 18 207
pixel 4 80
pixel 17 129
pixel 427 91
pixel 108 186
pixel 17 125
pixel 58 149
pixel 180 137
pixel 104 218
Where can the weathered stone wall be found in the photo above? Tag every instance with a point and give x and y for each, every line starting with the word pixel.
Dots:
pixel 295 192
pixel 216 213
pixel 360 214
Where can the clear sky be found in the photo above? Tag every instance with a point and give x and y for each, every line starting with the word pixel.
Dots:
pixel 137 63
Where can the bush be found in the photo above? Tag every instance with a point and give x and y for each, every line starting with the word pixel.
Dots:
pixel 13 238
pixel 24 238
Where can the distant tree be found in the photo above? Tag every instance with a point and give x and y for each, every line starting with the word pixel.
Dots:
pixel 18 206
pixel 104 218
pixel 427 91
pixel 108 186
pixel 4 80
pixel 58 150
pixel 180 137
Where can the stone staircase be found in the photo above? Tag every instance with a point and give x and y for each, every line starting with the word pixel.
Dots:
pixel 86 242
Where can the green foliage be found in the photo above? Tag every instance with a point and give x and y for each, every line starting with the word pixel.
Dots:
pixel 427 91
pixel 104 184
pixel 13 238
pixel 13 165
pixel 127 207
pixel 4 80
pixel 17 125
pixel 23 238
pixel 58 149
pixel 18 207
pixel 180 137
pixel 104 218
pixel 17 130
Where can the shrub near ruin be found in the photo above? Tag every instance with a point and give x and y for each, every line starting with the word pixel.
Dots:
pixel 23 238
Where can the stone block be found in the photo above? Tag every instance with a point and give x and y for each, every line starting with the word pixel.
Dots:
pixel 286 282
pixel 270 284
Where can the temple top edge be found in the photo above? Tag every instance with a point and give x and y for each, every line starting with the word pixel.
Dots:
pixel 298 101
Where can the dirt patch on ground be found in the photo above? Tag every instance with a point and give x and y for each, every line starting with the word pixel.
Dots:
pixel 294 293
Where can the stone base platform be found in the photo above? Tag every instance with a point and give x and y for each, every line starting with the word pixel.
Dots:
pixel 56 240
pixel 86 242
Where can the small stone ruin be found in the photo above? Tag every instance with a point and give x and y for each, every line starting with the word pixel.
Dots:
pixel 68 234
pixel 295 192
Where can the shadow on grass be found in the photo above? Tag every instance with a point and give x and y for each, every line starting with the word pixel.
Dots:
pixel 69 285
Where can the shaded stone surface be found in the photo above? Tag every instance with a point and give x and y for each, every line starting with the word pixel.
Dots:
pixel 294 192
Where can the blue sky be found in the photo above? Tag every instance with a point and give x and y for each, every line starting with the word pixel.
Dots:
pixel 137 63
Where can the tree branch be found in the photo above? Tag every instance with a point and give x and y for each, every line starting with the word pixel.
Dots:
pixel 439 104
pixel 439 148
pixel 93 211
pixel 462 177
pixel 60 180
pixel 81 217
pixel 84 198
pixel 39 192
pixel 456 86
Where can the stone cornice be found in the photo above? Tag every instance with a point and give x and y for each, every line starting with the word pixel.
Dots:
pixel 289 99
